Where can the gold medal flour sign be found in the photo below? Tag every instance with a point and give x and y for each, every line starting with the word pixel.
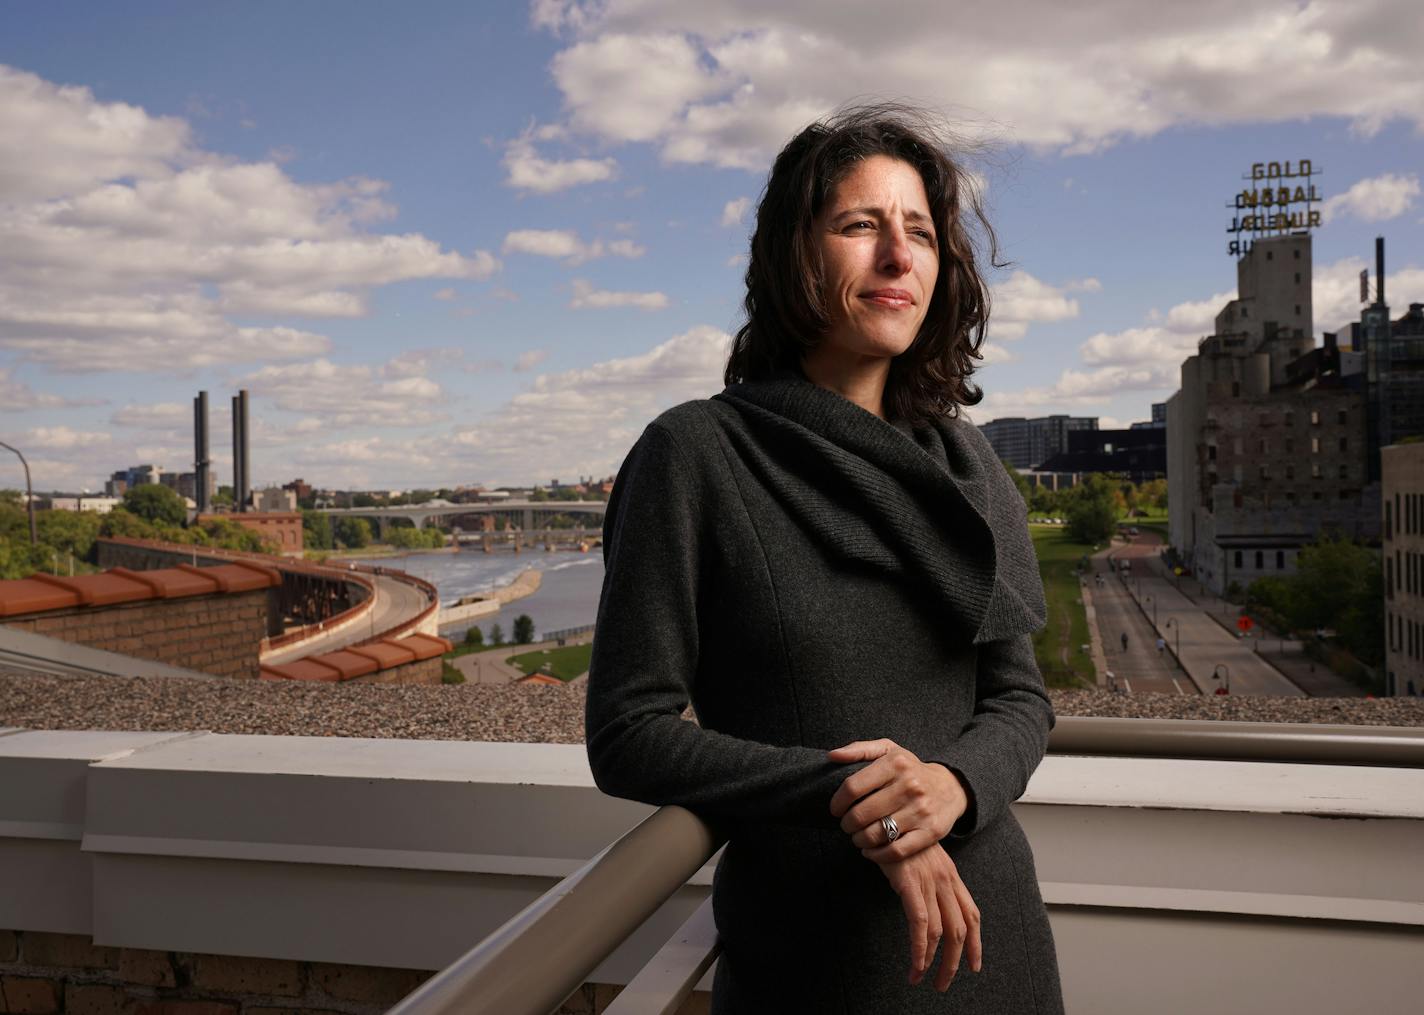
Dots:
pixel 1280 199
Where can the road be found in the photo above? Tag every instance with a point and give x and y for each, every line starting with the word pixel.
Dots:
pixel 394 603
pixel 1211 655
pixel 1139 668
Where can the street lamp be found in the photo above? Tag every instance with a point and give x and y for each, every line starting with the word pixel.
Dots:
pixel 1177 637
pixel 29 494
pixel 1154 610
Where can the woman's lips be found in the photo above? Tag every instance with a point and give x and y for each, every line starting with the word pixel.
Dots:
pixel 896 298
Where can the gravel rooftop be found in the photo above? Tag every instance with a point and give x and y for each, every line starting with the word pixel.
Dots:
pixel 515 712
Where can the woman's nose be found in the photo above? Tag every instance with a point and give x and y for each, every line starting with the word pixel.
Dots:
pixel 896 258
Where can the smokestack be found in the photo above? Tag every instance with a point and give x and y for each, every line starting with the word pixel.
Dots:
pixel 1379 270
pixel 238 500
pixel 200 451
pixel 246 457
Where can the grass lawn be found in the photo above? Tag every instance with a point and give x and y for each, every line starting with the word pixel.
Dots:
pixel 564 663
pixel 1059 645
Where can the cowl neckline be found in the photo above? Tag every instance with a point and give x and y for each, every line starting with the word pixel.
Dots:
pixel 930 504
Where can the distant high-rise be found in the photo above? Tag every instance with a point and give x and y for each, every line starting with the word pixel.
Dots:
pixel 1027 443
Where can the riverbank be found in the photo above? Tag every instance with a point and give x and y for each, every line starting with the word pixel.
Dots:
pixel 526 583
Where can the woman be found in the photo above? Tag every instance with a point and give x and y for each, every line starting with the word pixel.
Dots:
pixel 835 569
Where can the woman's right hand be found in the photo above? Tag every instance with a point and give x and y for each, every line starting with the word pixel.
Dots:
pixel 937 904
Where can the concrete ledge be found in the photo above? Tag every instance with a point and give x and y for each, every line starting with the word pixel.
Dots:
pixel 194 842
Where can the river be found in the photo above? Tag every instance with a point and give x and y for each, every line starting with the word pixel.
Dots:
pixel 568 589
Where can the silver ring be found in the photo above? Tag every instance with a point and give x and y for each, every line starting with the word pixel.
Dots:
pixel 892 830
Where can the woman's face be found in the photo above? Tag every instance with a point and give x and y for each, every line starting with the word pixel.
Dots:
pixel 880 258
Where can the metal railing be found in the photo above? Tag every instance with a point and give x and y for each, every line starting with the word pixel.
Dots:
pixel 532 963
pixel 546 952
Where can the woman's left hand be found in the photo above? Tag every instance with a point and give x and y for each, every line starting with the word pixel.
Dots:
pixel 924 798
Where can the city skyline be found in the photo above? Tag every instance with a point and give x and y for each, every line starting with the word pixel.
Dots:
pixel 457 248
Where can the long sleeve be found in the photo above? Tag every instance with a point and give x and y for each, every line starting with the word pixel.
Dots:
pixel 645 659
pixel 1008 735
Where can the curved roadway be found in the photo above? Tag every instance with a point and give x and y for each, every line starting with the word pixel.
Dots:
pixel 395 601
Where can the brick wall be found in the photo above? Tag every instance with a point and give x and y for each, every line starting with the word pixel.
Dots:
pixel 219 634
pixel 49 974
pixel 425 671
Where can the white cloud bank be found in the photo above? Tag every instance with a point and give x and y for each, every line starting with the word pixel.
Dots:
pixel 726 82
pixel 123 246
pixel 1374 200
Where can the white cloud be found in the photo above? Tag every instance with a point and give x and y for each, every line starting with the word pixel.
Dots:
pixel 1374 200
pixel 159 415
pixel 530 359
pixel 586 297
pixel 17 396
pixel 1335 292
pixel 59 438
pixel 446 294
pixel 355 394
pixel 526 169
pixel 735 210
pixel 1022 300
pixel 582 421
pixel 727 81
pixel 123 246
pixel 565 245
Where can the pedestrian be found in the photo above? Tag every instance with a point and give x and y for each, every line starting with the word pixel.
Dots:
pixel 835 508
pixel 1124 641
pixel 1161 646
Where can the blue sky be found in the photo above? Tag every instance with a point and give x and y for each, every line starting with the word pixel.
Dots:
pixel 446 246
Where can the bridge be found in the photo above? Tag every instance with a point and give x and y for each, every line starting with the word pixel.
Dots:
pixel 527 511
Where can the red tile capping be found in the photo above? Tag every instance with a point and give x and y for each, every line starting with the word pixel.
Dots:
pixel 28 595
pixel 222 583
pixel 68 584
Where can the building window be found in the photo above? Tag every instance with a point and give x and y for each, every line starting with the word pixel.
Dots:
pixel 1344 444
pixel 1290 444
pixel 1388 520
pixel 1342 416
pixel 1314 417
pixel 1290 472
pixel 1260 560
pixel 1388 578
pixel 1297 278
pixel 1261 445
pixel 1268 255
pixel 1296 252
pixel 1238 559
pixel 1315 445
pixel 1265 472
pixel 1315 473
pixel 1211 452
pixel 1280 560
pixel 1344 473
pixel 1297 310
pixel 1235 388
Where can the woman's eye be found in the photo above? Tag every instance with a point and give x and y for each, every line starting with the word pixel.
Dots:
pixel 856 225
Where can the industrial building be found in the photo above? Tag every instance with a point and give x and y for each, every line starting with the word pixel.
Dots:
pixel 1268 435
pixel 1402 467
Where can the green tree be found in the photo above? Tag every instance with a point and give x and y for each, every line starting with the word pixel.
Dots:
pixel 363 500
pixel 223 497
pixel 69 532
pixel 474 636
pixel 316 530
pixel 538 494
pixel 1025 491
pixel 496 634
pixel 523 629
pixel 1091 520
pixel 155 502
pixel 354 533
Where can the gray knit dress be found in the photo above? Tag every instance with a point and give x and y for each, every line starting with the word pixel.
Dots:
pixel 807 574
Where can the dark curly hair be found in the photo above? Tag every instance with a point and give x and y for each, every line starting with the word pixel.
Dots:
pixel 785 306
